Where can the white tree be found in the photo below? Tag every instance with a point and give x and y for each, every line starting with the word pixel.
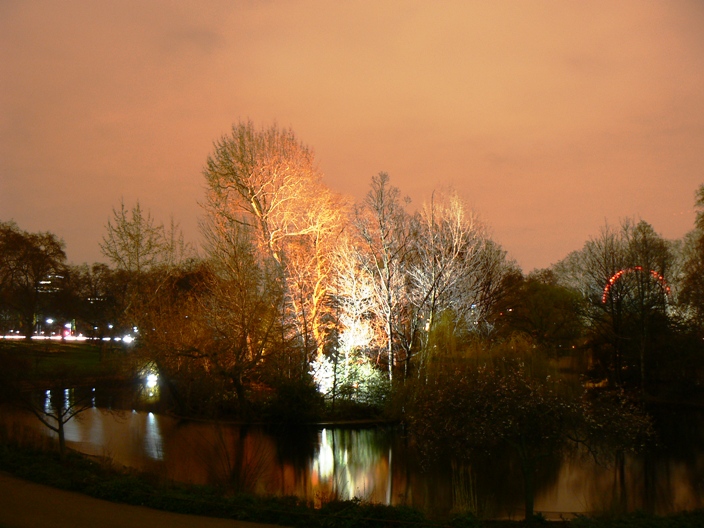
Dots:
pixel 383 226
pixel 348 369
pixel 446 268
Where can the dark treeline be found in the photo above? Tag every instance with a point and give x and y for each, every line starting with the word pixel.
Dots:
pixel 301 303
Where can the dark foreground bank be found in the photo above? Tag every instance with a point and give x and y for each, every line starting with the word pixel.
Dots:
pixel 25 504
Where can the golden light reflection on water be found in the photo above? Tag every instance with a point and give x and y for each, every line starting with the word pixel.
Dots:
pixel 370 464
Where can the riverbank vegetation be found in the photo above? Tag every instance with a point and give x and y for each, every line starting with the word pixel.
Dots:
pixel 302 306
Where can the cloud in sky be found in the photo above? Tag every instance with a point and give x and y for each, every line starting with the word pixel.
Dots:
pixel 549 117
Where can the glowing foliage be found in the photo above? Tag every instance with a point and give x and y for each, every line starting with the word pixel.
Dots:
pixel 351 377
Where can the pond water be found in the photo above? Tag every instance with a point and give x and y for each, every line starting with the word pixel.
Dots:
pixel 378 464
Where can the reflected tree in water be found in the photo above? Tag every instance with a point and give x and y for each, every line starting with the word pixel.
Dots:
pixel 471 411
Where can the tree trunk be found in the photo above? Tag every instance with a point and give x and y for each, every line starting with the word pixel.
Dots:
pixel 62 436
pixel 242 402
pixel 390 346
pixel 528 468
pixel 620 468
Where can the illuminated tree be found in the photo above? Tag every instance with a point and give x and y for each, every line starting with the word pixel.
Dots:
pixel 348 370
pixel 414 268
pixel 29 264
pixel 447 269
pixel 263 177
pixel 354 296
pixel 267 180
pixel 383 226
pixel 309 272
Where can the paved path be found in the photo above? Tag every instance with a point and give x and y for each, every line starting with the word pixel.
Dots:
pixel 24 504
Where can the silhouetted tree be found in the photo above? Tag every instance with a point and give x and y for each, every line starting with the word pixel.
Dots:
pixel 135 243
pixel 623 276
pixel 52 397
pixel 93 296
pixel 143 253
pixel 692 293
pixel 546 312
pixel 31 265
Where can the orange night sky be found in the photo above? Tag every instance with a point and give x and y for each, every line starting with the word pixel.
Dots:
pixel 549 117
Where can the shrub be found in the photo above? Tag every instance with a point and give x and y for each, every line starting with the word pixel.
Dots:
pixel 295 402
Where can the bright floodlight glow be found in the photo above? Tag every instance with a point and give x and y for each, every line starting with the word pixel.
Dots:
pixel 152 380
pixel 127 339
pixel 50 321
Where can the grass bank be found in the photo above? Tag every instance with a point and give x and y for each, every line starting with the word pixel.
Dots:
pixel 38 362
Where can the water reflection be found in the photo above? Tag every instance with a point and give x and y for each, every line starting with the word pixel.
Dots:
pixel 378 464
pixel 151 436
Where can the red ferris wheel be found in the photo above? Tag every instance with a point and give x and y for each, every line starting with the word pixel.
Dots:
pixel 635 269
